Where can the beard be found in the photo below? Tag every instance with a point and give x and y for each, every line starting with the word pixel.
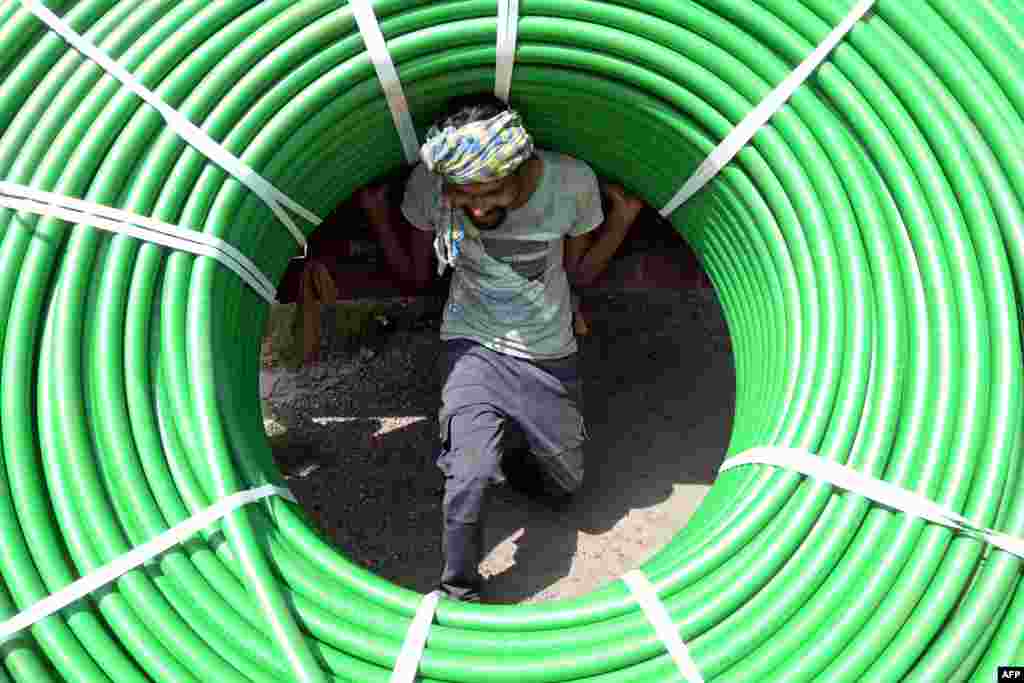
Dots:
pixel 497 219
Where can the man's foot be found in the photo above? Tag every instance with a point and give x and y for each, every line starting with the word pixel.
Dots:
pixel 460 594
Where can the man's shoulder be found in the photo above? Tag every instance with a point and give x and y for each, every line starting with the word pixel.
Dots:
pixel 422 185
pixel 421 190
pixel 574 173
pixel 563 159
pixel 420 177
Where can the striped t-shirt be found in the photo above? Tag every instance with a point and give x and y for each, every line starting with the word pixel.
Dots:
pixel 509 291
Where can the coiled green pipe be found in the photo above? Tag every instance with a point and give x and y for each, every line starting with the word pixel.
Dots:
pixel 867 247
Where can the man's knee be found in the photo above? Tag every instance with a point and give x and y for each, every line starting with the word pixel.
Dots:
pixel 471 443
pixel 469 465
pixel 565 470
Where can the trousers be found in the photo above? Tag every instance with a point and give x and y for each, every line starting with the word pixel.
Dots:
pixel 486 394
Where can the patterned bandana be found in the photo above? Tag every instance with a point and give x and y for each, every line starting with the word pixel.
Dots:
pixel 479 152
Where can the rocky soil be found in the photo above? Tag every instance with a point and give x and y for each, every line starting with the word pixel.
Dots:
pixel 356 435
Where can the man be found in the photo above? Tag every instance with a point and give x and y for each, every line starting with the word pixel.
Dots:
pixel 498 210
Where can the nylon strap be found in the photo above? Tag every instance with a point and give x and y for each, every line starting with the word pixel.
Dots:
pixel 134 558
pixel 22 198
pixel 882 492
pixel 192 134
pixel 508 35
pixel 759 116
pixel 408 662
pixel 369 29
pixel 660 619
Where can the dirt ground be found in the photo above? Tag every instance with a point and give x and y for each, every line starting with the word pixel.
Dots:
pixel 357 435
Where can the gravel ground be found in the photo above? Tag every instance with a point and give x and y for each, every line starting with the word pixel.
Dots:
pixel 357 436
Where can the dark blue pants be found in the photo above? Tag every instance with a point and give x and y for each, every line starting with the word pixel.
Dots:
pixel 483 391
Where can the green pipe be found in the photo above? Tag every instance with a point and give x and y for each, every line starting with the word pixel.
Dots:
pixel 865 245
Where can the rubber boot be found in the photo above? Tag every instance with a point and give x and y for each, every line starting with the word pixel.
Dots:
pixel 462 547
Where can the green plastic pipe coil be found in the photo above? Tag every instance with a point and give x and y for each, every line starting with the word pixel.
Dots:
pixel 868 248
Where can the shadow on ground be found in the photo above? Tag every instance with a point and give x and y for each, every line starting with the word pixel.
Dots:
pixel 659 390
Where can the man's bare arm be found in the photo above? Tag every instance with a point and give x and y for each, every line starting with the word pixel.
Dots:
pixel 407 249
pixel 587 256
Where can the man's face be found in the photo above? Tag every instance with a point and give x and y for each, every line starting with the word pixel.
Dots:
pixel 486 204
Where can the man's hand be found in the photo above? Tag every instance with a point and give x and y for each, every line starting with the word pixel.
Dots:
pixel 625 206
pixel 407 250
pixel 374 200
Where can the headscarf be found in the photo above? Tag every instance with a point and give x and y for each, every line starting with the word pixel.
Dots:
pixel 479 152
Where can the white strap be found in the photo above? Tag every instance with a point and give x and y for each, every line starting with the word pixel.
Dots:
pixel 134 558
pixel 191 133
pixel 369 28
pixel 408 662
pixel 508 35
pixel 883 492
pixel 744 132
pixel 22 198
pixel 659 617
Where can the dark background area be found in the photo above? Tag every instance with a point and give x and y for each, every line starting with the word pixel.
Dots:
pixel 653 256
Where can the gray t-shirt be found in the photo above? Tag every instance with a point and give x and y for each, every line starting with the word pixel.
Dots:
pixel 509 291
